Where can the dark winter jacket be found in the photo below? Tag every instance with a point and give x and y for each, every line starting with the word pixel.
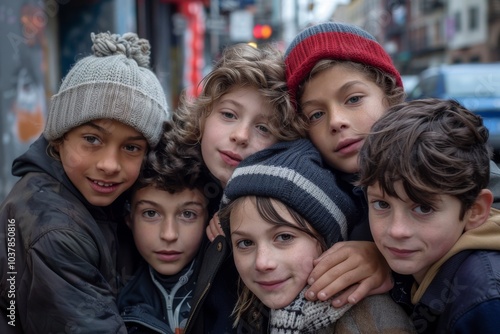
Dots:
pixel 59 255
pixel 154 303
pixel 461 292
pixel 215 293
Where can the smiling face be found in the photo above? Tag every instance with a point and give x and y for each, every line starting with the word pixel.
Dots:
pixel 412 237
pixel 168 227
pixel 341 105
pixel 236 128
pixel 274 261
pixel 102 159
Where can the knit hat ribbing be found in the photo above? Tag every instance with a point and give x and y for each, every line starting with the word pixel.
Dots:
pixel 337 41
pixel 113 83
pixel 293 173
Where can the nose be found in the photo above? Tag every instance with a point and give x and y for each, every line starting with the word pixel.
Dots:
pixel 399 226
pixel 109 162
pixel 168 230
pixel 240 134
pixel 337 120
pixel 264 259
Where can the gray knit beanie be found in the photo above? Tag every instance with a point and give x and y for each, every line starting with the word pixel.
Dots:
pixel 113 83
pixel 294 173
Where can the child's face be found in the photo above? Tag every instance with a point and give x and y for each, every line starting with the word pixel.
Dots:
pixel 168 228
pixel 273 261
pixel 236 128
pixel 341 105
pixel 412 237
pixel 102 159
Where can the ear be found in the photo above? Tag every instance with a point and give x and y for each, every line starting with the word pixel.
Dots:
pixel 480 210
pixel 128 220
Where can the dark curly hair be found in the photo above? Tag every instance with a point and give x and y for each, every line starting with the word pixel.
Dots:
pixel 173 166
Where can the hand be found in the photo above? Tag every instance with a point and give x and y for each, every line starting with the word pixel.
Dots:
pixel 214 228
pixel 351 269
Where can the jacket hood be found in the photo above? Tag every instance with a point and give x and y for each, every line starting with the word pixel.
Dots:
pixel 484 237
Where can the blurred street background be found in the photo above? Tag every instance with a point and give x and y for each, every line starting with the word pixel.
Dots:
pixel 41 39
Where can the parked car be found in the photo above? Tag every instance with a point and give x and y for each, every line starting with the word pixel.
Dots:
pixel 475 86
pixel 409 82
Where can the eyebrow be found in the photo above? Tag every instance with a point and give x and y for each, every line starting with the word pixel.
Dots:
pixel 107 132
pixel 341 90
pixel 146 202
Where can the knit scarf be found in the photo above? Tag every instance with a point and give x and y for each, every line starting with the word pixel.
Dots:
pixel 304 316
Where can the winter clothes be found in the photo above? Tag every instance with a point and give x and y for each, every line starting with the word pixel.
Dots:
pixel 461 292
pixel 61 270
pixel 154 303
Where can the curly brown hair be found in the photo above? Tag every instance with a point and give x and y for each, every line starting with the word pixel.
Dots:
pixel 242 65
pixel 435 147
pixel 173 166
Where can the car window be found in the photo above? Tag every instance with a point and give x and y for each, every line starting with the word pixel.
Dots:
pixel 473 84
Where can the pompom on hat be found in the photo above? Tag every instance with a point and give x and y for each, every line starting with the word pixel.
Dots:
pixel 337 41
pixel 113 83
pixel 293 173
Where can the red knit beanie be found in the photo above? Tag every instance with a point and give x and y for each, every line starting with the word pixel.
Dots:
pixel 337 41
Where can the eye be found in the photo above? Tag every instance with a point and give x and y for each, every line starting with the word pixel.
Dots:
pixel 423 209
pixel 354 99
pixel 132 148
pixel 316 115
pixel 380 205
pixel 189 215
pixel 228 115
pixel 244 244
pixel 92 139
pixel 263 128
pixel 285 237
pixel 149 213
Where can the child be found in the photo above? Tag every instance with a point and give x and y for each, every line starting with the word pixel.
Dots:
pixel 425 172
pixel 243 107
pixel 342 81
pixel 280 215
pixel 168 216
pixel 64 266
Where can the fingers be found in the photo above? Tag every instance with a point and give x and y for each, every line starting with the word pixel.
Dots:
pixel 353 270
pixel 343 298
pixel 214 229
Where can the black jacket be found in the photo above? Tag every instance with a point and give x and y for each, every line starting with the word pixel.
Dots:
pixel 62 253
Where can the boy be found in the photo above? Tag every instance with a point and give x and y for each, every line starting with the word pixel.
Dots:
pixel 342 81
pixel 425 171
pixel 64 260
pixel 168 216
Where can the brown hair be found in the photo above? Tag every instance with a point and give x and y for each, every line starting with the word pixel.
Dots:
pixel 173 167
pixel 433 146
pixel 242 65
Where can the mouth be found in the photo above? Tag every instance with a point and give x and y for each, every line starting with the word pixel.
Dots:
pixel 230 158
pixel 168 256
pixel 348 145
pixel 271 285
pixel 399 252
pixel 103 186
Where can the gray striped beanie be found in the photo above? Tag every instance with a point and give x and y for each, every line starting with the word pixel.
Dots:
pixel 113 83
pixel 294 173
